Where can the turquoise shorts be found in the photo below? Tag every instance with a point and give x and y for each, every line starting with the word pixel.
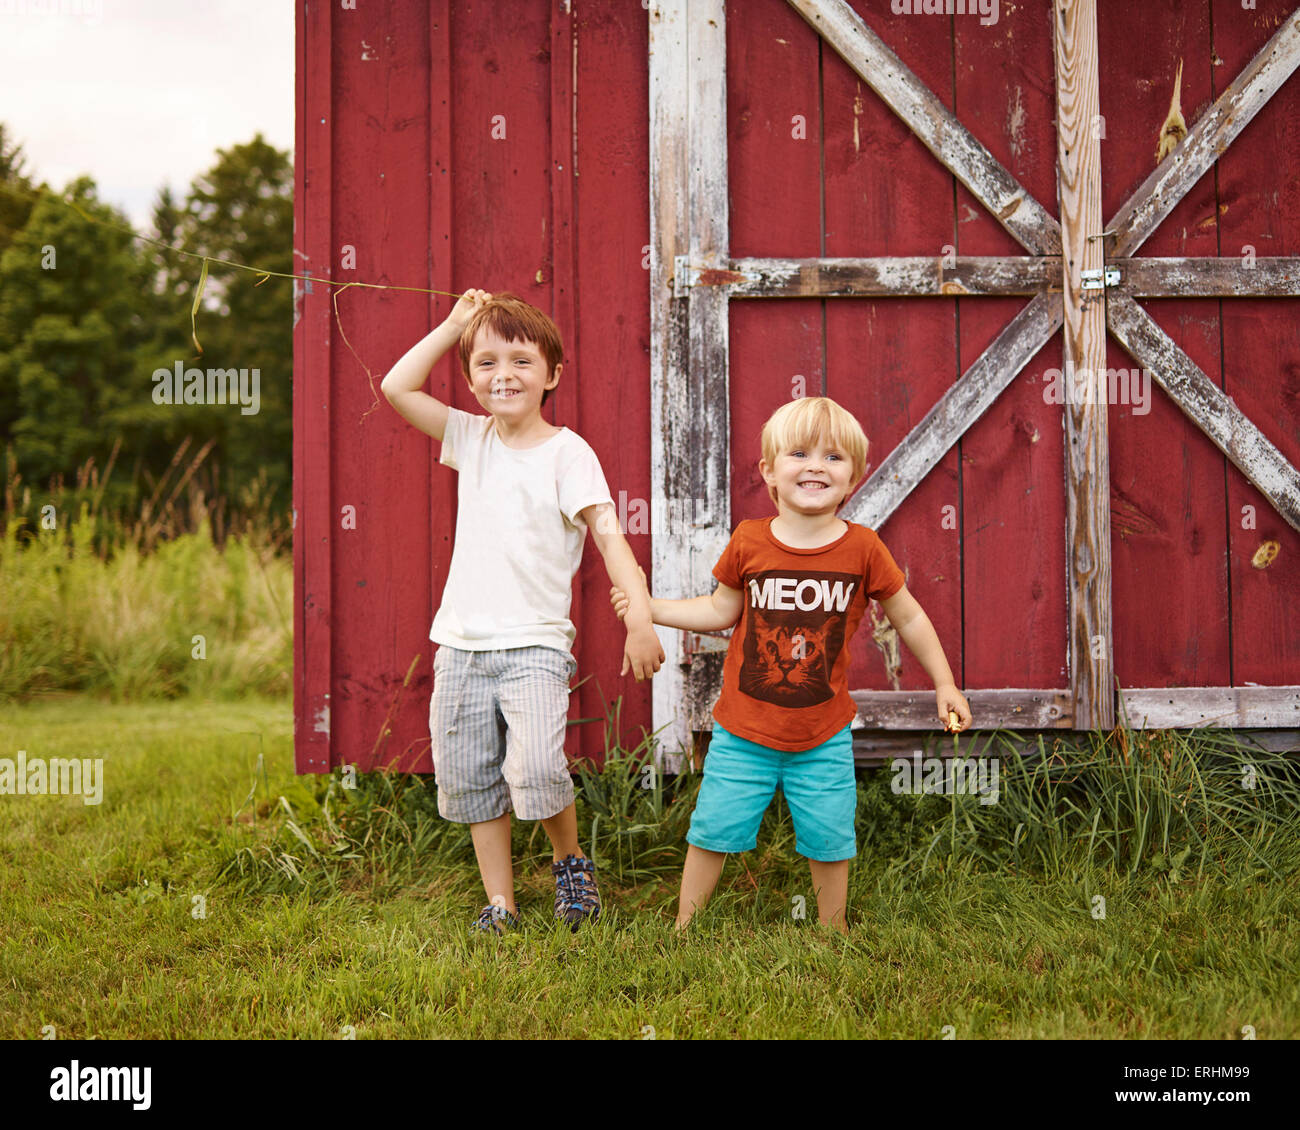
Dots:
pixel 740 778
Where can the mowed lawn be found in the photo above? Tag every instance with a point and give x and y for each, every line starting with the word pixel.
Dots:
pixel 131 918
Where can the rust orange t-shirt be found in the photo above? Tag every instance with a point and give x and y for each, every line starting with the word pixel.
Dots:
pixel 785 678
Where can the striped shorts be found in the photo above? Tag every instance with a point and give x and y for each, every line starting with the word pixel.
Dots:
pixel 497 721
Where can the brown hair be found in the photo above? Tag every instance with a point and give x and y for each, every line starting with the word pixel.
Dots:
pixel 512 319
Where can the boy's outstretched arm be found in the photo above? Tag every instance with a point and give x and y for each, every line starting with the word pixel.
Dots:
pixel 404 382
pixel 721 609
pixel 914 629
pixel 642 651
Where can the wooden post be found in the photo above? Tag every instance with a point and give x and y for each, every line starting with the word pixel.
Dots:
pixel 669 413
pixel 709 420
pixel 1087 480
pixel 313 337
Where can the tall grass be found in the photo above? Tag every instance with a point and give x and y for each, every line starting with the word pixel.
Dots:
pixel 144 607
pixel 637 817
pixel 1164 807
pixel 1174 804
pixel 376 832
pixel 372 834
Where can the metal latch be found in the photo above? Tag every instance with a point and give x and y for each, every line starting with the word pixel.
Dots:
pixel 702 643
pixel 687 275
pixel 1099 279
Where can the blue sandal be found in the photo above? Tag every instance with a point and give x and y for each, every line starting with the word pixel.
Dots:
pixel 576 895
pixel 493 920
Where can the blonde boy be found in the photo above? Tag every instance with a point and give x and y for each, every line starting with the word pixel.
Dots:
pixel 527 494
pixel 798 583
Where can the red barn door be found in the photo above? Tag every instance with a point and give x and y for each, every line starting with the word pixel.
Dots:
pixel 794 161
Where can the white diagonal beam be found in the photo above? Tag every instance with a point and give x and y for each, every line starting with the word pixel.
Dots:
pixel 938 128
pixel 1219 126
pixel 1206 406
pixel 955 412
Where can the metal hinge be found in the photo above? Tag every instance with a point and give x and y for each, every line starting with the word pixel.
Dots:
pixel 687 275
pixel 700 643
pixel 1099 279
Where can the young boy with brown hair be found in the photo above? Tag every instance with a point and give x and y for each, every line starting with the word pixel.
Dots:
pixel 798 583
pixel 527 494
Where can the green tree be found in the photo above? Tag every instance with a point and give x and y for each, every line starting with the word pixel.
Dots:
pixel 240 209
pixel 16 192
pixel 73 311
pixel 16 189
pixel 88 313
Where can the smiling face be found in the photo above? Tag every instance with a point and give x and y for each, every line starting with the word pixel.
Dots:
pixel 505 322
pixel 814 454
pixel 811 479
pixel 509 378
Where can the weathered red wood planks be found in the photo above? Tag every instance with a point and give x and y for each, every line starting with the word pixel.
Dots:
pixel 1013 497
pixel 774 159
pixel 440 274
pixel 609 377
pixel 1259 208
pixel 1169 576
pixel 380 509
pixel 313 329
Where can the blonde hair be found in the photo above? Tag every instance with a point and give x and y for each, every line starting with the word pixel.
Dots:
pixel 808 419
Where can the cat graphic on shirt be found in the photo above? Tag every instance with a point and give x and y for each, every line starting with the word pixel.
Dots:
pixel 794 632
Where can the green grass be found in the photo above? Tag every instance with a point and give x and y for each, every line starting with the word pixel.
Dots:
pixel 129 628
pixel 179 600
pixel 340 911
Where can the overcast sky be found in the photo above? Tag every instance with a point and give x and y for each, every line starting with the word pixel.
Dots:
pixel 142 93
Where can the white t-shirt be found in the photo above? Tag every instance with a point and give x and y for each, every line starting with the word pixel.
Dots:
pixel 519 536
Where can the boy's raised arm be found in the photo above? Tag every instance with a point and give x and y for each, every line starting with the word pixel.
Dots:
pixel 403 384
